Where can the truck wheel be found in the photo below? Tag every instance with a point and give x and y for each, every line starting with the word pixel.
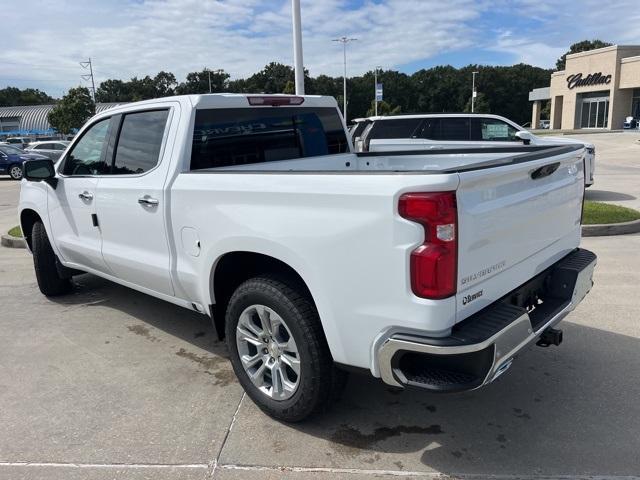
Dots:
pixel 44 261
pixel 15 172
pixel 278 350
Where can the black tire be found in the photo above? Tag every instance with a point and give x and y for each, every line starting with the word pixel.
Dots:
pixel 45 263
pixel 320 381
pixel 15 171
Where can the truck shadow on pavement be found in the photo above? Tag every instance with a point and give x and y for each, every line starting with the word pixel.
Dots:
pixel 568 410
pixel 607 196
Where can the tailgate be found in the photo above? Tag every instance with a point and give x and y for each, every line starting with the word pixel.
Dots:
pixel 514 221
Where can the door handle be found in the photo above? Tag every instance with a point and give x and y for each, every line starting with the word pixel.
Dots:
pixel 148 201
pixel 88 196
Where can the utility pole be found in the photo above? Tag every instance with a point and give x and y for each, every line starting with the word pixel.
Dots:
pixel 375 89
pixel 209 73
pixel 88 65
pixel 297 46
pixel 344 41
pixel 473 90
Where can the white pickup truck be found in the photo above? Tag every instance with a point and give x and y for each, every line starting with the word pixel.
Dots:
pixel 454 130
pixel 429 270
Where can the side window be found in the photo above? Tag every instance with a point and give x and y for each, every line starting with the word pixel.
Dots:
pixel 400 128
pixel 455 129
pixel 87 156
pixel 139 142
pixel 493 130
pixel 59 146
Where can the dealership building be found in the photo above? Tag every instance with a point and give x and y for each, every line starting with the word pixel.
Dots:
pixel 597 89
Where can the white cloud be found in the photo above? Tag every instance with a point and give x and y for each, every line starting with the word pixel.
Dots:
pixel 43 41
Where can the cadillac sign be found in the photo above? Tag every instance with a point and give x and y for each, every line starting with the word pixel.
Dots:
pixel 576 80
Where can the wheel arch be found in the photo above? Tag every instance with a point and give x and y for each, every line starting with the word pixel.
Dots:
pixel 28 217
pixel 233 268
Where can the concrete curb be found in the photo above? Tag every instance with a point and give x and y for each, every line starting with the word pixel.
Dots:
pixel 13 242
pixel 611 229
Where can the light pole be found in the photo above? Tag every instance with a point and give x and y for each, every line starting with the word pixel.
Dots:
pixel 375 89
pixel 473 90
pixel 297 46
pixel 344 41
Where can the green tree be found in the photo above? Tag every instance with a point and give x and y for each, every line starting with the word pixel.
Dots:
pixel 290 88
pixel 11 96
pixel 75 108
pixel 583 46
pixel 384 109
pixel 165 84
pixel 481 105
pixel 198 82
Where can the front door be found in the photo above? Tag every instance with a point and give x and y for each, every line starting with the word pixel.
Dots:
pixel 72 205
pixel 131 205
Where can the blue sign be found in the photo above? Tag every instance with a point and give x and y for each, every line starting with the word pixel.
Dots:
pixel 378 92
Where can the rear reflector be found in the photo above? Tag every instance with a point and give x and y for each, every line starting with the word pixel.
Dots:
pixel 275 101
pixel 434 264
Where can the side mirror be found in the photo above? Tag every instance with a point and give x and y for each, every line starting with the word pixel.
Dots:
pixel 40 171
pixel 525 136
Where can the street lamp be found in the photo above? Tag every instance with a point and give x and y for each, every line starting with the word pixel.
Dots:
pixel 473 90
pixel 297 46
pixel 344 41
pixel 375 87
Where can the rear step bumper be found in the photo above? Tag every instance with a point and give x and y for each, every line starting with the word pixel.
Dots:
pixel 482 347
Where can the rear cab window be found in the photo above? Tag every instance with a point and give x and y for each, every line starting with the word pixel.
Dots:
pixel 224 137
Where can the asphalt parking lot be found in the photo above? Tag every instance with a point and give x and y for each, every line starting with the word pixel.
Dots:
pixel 109 383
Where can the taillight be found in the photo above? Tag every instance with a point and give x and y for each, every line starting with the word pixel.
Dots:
pixel 275 101
pixel 434 264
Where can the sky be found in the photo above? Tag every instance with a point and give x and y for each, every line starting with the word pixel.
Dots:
pixel 43 41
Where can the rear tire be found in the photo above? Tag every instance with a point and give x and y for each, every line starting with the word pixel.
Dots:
pixel 15 172
pixel 50 282
pixel 293 323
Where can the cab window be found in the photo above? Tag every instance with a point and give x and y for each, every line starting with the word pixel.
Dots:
pixel 87 156
pixel 139 142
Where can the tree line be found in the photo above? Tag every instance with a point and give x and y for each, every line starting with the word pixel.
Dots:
pixel 501 90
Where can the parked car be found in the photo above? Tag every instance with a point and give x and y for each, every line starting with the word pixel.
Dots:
pixel 629 123
pixel 11 159
pixel 20 142
pixel 425 269
pixel 457 131
pixel 50 149
pixel 544 124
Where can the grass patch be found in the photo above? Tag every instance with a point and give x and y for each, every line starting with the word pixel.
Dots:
pixel 15 232
pixel 599 213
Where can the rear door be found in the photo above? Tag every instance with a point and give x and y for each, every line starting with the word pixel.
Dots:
pixel 514 221
pixel 131 203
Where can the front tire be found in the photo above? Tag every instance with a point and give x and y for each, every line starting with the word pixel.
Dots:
pixel 278 350
pixel 15 172
pixel 45 263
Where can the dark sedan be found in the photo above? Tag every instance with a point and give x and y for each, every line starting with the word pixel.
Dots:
pixel 11 159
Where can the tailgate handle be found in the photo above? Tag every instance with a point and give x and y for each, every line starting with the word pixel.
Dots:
pixel 545 170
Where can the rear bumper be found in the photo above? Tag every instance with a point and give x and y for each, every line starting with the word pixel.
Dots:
pixel 482 347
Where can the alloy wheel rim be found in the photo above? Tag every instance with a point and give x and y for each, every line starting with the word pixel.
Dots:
pixel 268 352
pixel 16 172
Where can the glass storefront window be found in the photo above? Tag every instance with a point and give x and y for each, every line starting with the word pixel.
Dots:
pixel 595 111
